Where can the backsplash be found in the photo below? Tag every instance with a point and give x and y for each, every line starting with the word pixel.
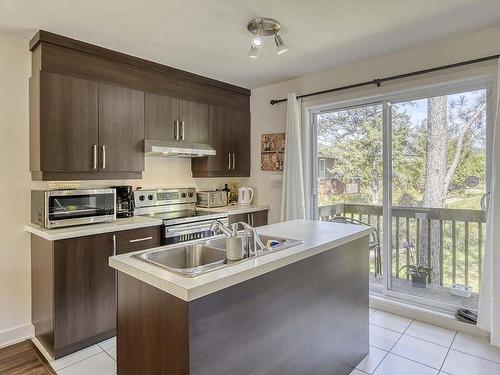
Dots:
pixel 161 172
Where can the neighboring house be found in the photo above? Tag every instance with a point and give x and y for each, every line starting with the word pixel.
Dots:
pixel 325 165
pixel 331 182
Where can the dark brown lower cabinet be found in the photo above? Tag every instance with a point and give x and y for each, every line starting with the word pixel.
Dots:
pixel 84 292
pixel 255 219
pixel 74 289
pixel 128 241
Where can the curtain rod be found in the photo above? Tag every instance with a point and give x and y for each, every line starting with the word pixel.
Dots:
pixel 379 81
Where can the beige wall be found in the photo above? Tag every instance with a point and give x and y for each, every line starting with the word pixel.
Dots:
pixel 269 119
pixel 14 189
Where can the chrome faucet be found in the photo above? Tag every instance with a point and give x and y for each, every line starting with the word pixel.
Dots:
pixel 221 227
pixel 251 232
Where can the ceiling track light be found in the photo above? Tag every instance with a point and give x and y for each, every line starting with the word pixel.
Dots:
pixel 254 52
pixel 282 48
pixel 264 27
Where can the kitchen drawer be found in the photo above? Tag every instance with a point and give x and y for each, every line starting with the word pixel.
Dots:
pixel 138 239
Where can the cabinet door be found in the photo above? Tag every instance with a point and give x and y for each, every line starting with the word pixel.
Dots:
pixel 194 122
pixel 138 239
pixel 240 142
pixel 219 135
pixel 161 113
pixel 259 218
pixel 121 129
pixel 84 290
pixel 68 123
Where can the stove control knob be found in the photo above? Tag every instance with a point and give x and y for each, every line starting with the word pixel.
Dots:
pixel 183 195
pixel 150 197
pixel 141 197
pixel 190 194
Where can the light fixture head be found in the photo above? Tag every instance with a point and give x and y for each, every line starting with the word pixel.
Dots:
pixel 254 52
pixel 257 42
pixel 263 27
pixel 282 48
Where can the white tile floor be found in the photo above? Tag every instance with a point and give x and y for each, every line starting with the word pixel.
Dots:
pixel 398 346
pixel 402 346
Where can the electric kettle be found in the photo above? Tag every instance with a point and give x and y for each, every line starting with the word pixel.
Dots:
pixel 245 195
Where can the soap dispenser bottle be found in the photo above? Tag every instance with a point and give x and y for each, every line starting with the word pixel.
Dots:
pixel 234 245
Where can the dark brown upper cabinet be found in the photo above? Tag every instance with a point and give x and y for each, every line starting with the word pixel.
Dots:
pixel 229 134
pixel 68 123
pixel 82 129
pixel 121 129
pixel 91 109
pixel 161 117
pixel 194 122
pixel 172 119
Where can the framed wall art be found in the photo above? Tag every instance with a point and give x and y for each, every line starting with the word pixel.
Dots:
pixel 272 151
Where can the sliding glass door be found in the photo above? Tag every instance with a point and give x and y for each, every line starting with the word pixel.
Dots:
pixel 439 177
pixel 417 163
pixel 350 171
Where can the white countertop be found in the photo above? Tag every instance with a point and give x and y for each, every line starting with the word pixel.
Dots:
pixel 236 209
pixel 90 229
pixel 317 236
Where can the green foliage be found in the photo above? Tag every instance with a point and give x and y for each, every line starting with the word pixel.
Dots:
pixel 418 270
pixel 353 139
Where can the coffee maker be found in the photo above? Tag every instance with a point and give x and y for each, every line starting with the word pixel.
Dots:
pixel 124 201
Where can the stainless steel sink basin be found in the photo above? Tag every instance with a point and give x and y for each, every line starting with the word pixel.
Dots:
pixel 283 243
pixel 196 259
pixel 188 260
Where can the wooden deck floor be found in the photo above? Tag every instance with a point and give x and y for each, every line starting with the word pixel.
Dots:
pixel 23 358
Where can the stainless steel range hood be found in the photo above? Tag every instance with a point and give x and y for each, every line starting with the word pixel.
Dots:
pixel 153 147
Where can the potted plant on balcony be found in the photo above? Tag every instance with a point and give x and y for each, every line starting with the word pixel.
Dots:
pixel 419 274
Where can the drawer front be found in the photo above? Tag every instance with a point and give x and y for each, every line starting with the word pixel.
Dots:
pixel 238 218
pixel 259 218
pixel 255 219
pixel 138 239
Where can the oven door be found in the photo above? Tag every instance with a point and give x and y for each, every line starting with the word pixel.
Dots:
pixel 74 207
pixel 188 232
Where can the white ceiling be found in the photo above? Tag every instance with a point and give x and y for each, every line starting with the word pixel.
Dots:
pixel 209 37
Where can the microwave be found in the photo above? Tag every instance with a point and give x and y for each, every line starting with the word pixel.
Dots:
pixel 64 208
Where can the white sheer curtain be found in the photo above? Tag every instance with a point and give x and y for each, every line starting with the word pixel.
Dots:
pixel 489 297
pixel 294 204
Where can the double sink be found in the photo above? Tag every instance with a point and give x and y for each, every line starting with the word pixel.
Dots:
pixel 191 260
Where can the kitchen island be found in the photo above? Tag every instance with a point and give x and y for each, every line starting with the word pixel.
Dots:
pixel 301 310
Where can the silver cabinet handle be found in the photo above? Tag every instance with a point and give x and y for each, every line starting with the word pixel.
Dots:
pixel 94 163
pixel 178 127
pixel 252 220
pixel 485 200
pixel 249 222
pixel 229 161
pixel 103 156
pixel 114 244
pixel 176 130
pixel 234 162
pixel 183 126
pixel 140 239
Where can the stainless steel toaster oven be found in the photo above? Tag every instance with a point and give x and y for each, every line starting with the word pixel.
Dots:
pixel 63 208
pixel 211 199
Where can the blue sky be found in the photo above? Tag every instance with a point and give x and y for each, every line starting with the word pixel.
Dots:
pixel 418 111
